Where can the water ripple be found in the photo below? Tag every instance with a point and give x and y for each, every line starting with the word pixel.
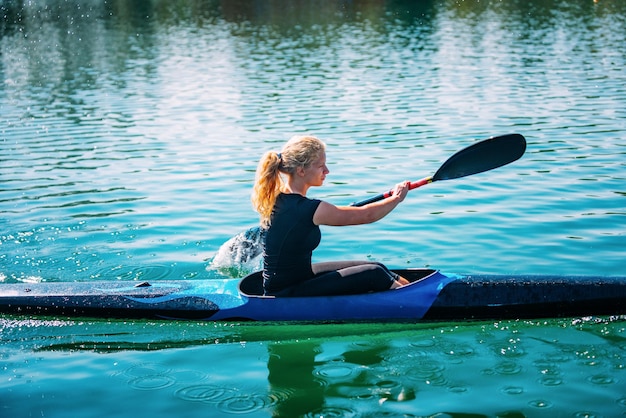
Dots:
pixel 333 412
pixel 206 393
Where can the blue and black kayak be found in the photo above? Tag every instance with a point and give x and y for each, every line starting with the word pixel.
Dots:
pixel 431 296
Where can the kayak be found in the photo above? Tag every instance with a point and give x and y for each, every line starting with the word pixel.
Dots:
pixel 431 296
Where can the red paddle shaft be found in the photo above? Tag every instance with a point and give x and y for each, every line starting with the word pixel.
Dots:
pixel 413 185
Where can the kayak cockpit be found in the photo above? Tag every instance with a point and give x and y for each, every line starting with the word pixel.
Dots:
pixel 252 284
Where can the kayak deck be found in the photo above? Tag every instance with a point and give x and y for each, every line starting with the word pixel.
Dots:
pixel 530 296
pixel 432 296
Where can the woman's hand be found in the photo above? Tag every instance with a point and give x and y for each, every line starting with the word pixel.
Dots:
pixel 401 190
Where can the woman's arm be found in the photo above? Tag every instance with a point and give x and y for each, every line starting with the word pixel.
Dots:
pixel 328 214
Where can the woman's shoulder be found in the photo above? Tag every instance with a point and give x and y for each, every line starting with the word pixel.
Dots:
pixel 296 200
pixel 295 197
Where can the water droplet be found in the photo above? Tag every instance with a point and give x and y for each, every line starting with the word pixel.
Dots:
pixel 332 412
pixel 540 403
pixel 601 379
pixel 586 414
pixel 551 381
pixel 513 390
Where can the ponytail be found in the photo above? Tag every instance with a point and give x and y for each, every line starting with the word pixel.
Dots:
pixel 267 186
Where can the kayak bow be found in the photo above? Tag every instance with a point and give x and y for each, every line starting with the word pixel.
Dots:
pixel 431 296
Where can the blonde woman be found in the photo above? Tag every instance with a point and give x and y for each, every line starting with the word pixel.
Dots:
pixel 292 224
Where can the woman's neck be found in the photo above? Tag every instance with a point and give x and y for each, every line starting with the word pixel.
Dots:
pixel 296 187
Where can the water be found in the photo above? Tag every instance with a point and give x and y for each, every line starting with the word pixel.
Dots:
pixel 129 136
pixel 571 368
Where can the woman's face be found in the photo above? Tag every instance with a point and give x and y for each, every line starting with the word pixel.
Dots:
pixel 315 174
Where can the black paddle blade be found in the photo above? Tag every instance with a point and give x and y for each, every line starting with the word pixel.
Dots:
pixel 482 156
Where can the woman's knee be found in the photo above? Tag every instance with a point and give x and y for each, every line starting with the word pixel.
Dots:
pixel 360 269
pixel 328 266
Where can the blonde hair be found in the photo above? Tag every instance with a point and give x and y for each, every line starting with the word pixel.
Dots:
pixel 299 151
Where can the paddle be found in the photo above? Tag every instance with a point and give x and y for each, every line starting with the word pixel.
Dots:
pixel 479 157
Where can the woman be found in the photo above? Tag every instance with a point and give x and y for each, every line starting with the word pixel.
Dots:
pixel 292 224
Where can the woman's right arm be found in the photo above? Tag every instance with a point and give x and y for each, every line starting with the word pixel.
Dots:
pixel 328 214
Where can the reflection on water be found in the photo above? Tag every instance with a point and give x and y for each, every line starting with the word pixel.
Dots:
pixel 291 368
pixel 508 368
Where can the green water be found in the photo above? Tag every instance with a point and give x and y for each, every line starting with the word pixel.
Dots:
pixel 129 135
pixel 569 368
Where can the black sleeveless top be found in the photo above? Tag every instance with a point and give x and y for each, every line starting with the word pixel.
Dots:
pixel 289 242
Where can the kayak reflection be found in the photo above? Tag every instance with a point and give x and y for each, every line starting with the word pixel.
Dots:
pixel 303 376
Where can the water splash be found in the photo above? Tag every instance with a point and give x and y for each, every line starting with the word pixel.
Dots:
pixel 241 254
